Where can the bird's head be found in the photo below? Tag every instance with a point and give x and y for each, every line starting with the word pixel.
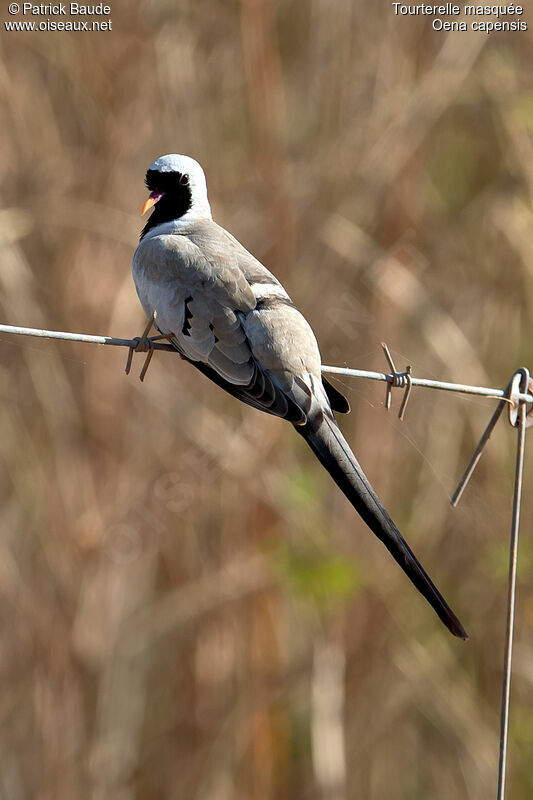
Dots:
pixel 178 190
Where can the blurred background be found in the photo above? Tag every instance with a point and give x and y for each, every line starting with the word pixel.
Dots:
pixel 189 607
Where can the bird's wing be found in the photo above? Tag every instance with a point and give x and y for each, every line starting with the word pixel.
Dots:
pixel 277 313
pixel 206 289
pixel 176 261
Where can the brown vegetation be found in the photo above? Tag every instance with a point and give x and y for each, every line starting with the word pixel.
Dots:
pixel 189 608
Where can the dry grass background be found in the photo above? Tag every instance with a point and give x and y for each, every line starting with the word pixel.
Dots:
pixel 189 608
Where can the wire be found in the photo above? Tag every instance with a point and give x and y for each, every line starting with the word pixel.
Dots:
pixel 446 386
pixel 511 603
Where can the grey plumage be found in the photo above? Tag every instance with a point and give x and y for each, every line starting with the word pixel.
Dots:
pixel 233 320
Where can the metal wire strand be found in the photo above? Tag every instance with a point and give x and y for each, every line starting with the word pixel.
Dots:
pixel 511 603
pixel 478 452
pixel 462 388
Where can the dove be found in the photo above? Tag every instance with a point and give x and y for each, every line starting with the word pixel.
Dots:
pixel 231 318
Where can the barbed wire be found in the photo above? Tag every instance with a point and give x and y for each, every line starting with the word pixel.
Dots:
pixel 482 391
pixel 516 396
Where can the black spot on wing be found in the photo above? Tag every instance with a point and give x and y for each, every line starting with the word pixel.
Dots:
pixel 267 303
pixel 212 328
pixel 188 315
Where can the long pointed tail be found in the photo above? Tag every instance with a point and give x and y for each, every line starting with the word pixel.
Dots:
pixel 332 450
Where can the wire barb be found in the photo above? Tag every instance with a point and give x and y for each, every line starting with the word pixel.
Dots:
pixel 406 394
pixel 397 379
pixel 144 344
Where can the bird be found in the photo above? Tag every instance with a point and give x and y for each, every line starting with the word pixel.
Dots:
pixel 231 318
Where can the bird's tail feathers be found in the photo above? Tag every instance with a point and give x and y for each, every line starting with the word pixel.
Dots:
pixel 334 453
